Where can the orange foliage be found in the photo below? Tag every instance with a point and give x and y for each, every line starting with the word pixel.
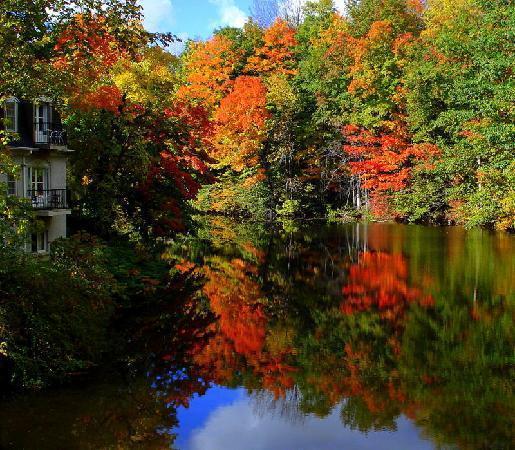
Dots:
pixel 209 67
pixel 86 51
pixel 416 6
pixel 380 280
pixel 108 98
pixel 238 337
pixel 235 297
pixel 277 53
pixel 241 121
pixel 336 41
pixel 361 50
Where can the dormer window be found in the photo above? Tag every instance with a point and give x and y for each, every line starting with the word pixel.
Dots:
pixel 11 115
pixel 41 122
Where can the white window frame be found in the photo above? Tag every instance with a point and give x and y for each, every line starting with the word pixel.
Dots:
pixel 13 128
pixel 33 183
pixel 41 121
pixel 38 191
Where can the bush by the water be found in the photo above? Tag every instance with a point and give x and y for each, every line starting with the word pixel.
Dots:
pixel 56 312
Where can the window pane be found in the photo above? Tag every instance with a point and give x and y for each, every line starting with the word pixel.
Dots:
pixel 38 179
pixel 41 242
pixel 11 185
pixel 10 116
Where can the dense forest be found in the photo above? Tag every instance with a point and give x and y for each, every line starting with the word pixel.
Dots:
pixel 397 110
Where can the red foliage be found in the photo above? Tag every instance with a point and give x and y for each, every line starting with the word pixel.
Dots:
pixel 182 137
pixel 385 162
pixel 380 281
pixel 196 129
pixel 86 46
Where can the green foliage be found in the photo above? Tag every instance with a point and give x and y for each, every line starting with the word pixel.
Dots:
pixel 233 196
pixel 347 214
pixel 55 315
pixel 289 208
pixel 460 88
pixel 16 216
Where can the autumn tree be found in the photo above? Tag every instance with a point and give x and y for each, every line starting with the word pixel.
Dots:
pixel 241 124
pixel 458 82
pixel 277 53
pixel 209 68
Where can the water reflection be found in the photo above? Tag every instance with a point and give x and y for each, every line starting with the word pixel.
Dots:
pixel 351 336
pixel 266 425
pixel 377 322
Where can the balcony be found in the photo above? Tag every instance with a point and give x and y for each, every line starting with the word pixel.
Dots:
pixel 48 199
pixel 52 134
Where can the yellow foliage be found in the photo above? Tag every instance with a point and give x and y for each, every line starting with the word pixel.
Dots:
pixel 144 81
pixel 441 14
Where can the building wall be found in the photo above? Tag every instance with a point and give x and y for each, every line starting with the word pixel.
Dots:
pixel 56 228
pixel 57 172
pixel 55 163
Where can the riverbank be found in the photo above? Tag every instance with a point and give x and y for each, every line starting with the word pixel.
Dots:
pixel 59 313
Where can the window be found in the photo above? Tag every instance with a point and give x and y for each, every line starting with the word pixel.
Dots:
pixel 11 115
pixel 39 242
pixel 11 185
pixel 41 119
pixel 37 186
pixel 37 180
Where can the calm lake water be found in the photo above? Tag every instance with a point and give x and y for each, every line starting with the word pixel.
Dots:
pixel 305 337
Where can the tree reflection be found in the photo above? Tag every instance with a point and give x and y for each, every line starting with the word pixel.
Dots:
pixel 369 320
pixel 372 321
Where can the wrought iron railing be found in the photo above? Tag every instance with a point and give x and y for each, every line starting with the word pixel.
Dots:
pixel 49 133
pixel 48 198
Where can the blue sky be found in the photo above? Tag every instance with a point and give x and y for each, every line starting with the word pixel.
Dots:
pixel 194 18
pixel 230 419
pixel 197 18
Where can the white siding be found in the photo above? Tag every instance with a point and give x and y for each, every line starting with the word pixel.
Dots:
pixel 56 228
pixel 57 172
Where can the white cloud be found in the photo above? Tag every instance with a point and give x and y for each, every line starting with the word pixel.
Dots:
pixel 340 5
pixel 238 426
pixel 159 15
pixel 229 14
pixel 177 47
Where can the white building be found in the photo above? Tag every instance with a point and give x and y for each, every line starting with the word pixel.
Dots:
pixel 42 153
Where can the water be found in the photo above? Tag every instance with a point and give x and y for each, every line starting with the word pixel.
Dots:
pixel 307 337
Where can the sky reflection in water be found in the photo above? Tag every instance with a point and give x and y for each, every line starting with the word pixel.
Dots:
pixel 229 419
